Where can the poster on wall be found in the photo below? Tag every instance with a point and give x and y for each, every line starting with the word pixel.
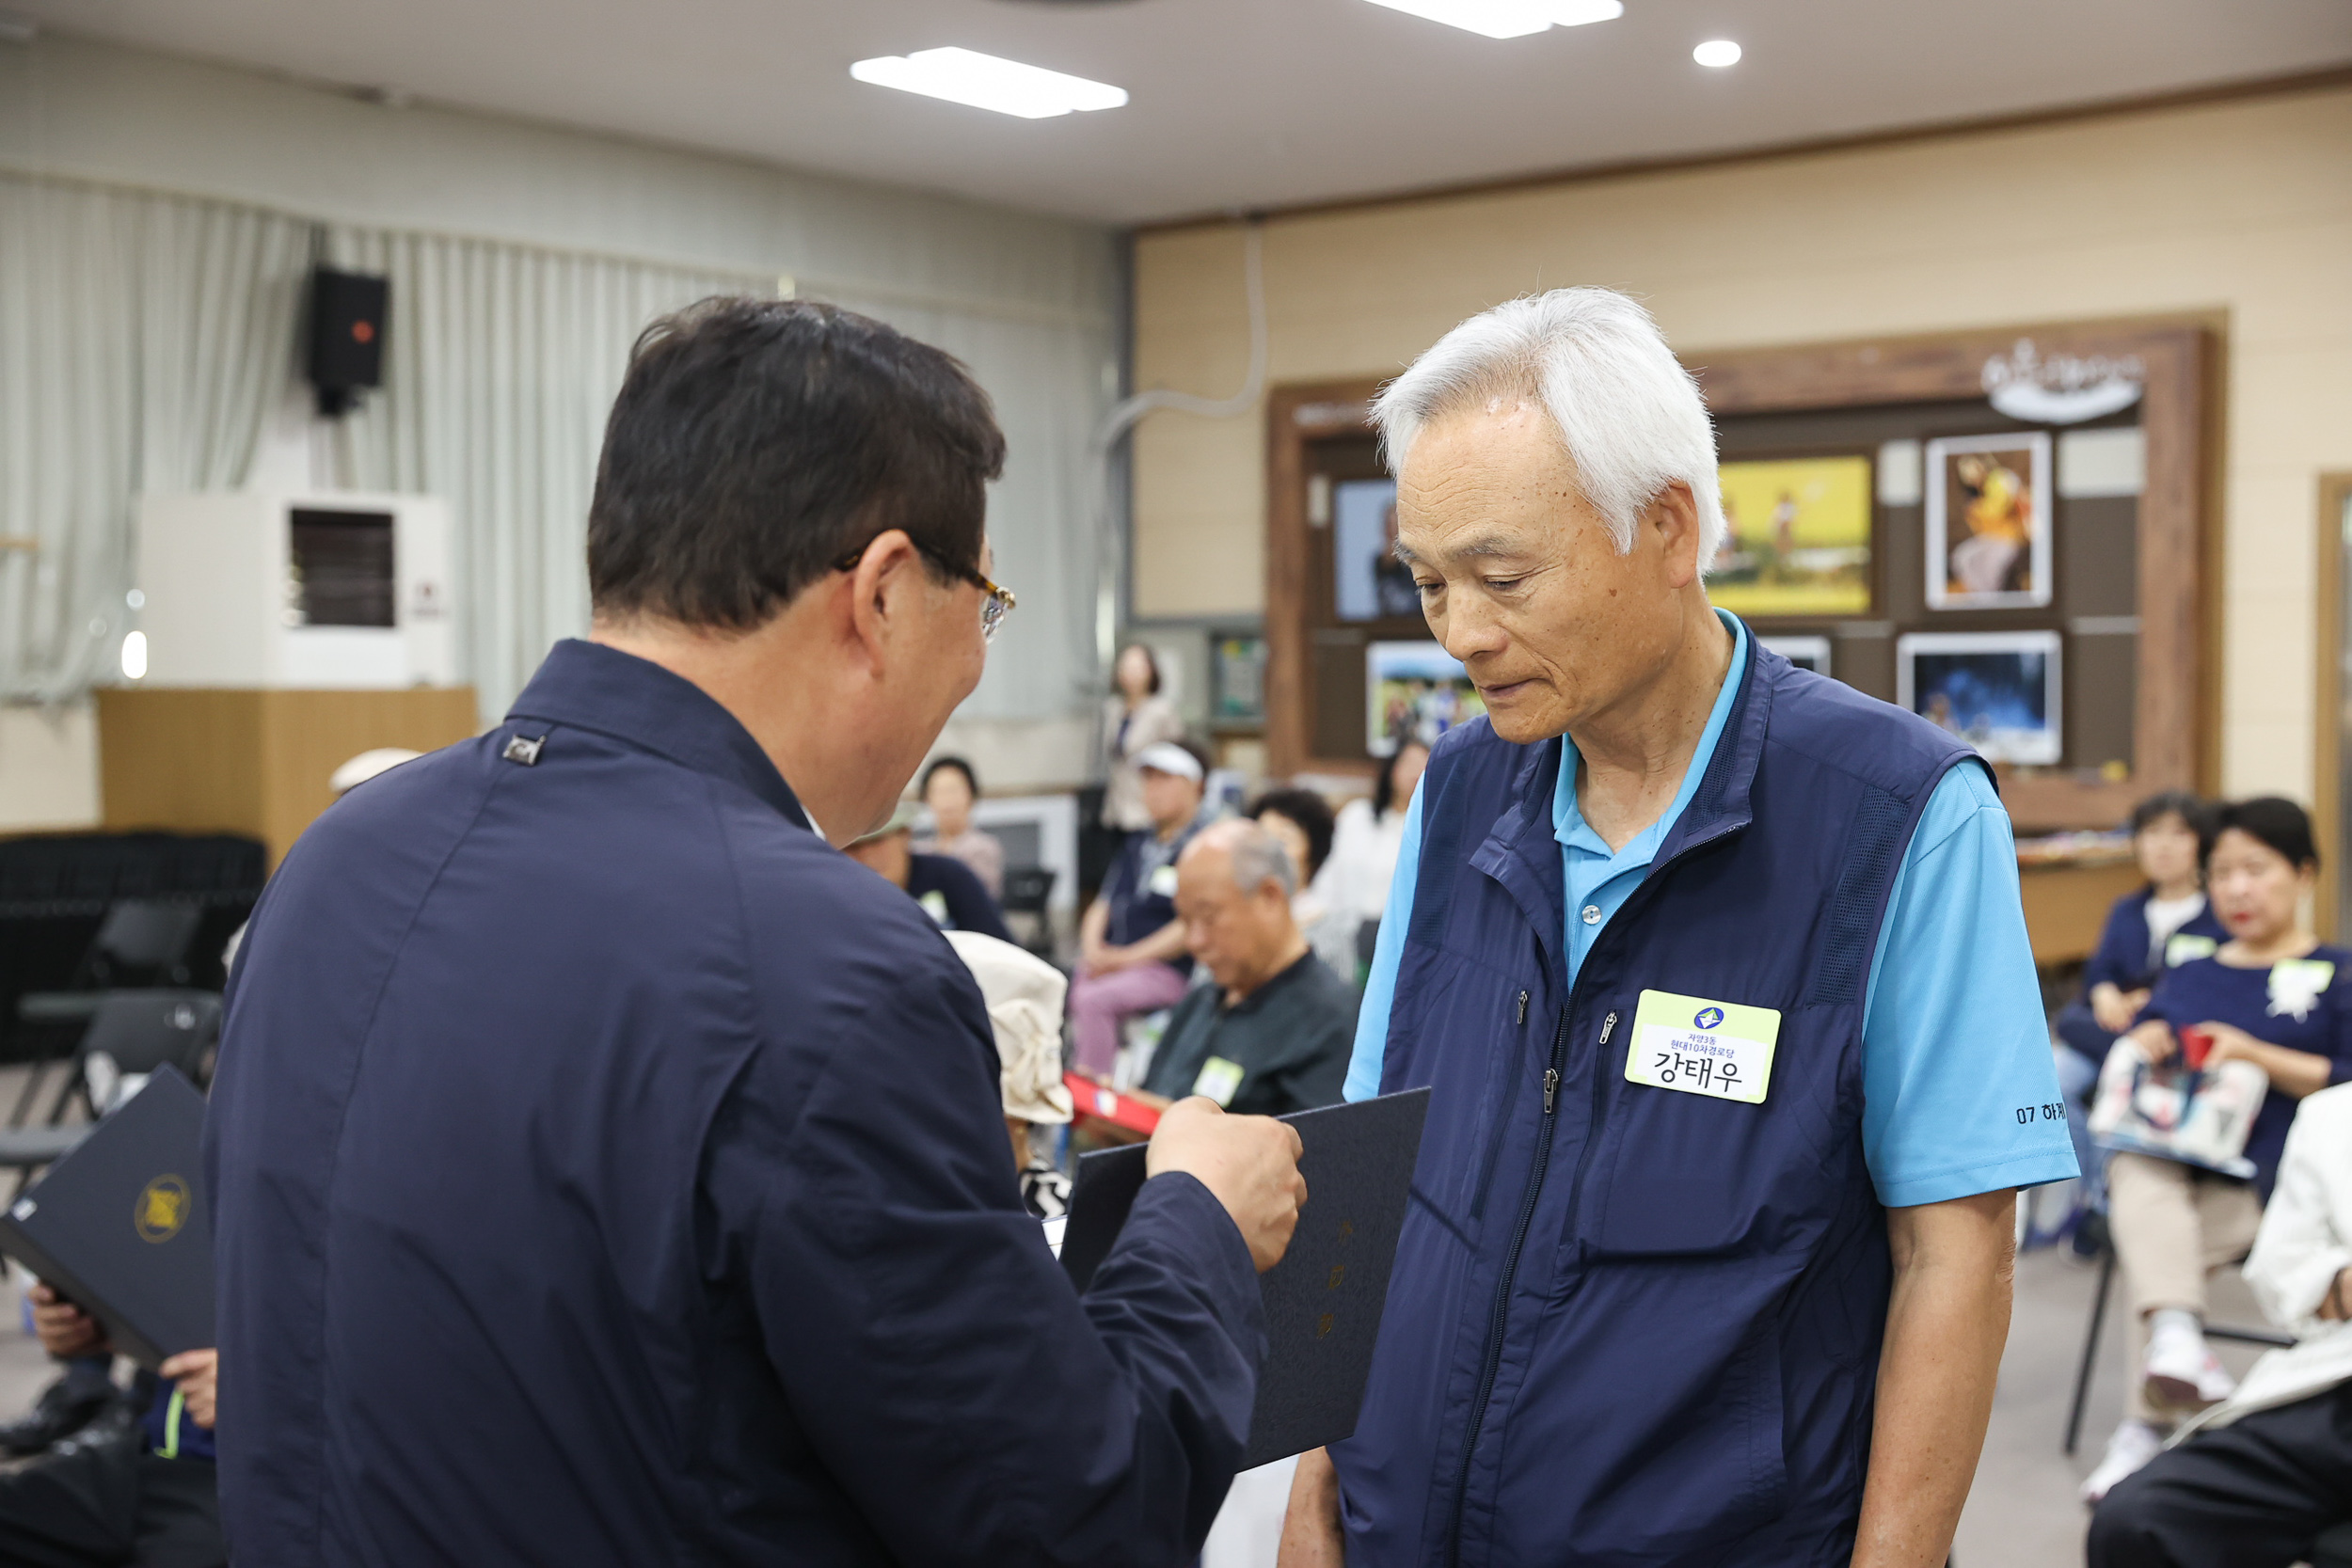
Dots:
pixel 1988 521
pixel 1369 582
pixel 1796 538
pixel 1414 691
pixel 1998 691
pixel 1805 653
pixel 1238 680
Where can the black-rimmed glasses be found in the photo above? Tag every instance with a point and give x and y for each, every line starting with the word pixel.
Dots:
pixel 995 603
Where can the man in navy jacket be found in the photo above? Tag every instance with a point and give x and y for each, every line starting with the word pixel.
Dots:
pixel 609 1171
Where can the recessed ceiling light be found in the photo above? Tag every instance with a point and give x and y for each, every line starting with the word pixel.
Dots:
pixel 1509 19
pixel 1717 53
pixel 986 82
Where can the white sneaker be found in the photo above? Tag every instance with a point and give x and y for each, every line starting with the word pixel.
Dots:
pixel 2183 1372
pixel 2134 1444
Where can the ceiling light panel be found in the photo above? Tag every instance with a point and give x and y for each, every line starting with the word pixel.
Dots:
pixel 1717 53
pixel 1509 19
pixel 987 82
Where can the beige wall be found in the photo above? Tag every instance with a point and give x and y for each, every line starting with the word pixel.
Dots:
pixel 2242 207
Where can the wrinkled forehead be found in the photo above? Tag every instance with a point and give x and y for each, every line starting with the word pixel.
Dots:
pixel 1492 481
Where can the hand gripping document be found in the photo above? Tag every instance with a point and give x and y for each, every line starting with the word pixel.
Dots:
pixel 120 1225
pixel 1324 1299
pixel 2180 1109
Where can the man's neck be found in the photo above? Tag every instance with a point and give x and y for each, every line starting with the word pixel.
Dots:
pixel 797 724
pixel 1292 951
pixel 1634 755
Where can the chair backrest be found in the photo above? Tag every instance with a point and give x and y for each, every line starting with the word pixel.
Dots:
pixel 148 933
pixel 1026 889
pixel 142 1030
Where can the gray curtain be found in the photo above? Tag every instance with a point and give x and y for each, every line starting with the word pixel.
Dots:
pixel 143 341
pixel 502 361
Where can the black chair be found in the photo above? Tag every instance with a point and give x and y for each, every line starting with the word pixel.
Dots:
pixel 1027 889
pixel 135 1031
pixel 2095 1223
pixel 141 942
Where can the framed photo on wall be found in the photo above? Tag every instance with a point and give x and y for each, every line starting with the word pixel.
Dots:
pixel 1796 538
pixel 1805 653
pixel 1368 582
pixel 1998 691
pixel 1414 691
pixel 1989 512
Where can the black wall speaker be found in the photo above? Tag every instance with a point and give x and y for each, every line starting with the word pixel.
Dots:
pixel 348 311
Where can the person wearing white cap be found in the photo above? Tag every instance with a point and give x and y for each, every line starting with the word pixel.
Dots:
pixel 1131 945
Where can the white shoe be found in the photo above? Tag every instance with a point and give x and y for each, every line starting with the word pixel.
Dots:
pixel 2183 1372
pixel 2134 1444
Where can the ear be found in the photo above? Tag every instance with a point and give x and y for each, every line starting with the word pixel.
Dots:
pixel 1673 515
pixel 881 594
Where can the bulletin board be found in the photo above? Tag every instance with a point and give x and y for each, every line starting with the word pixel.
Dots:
pixel 1834 455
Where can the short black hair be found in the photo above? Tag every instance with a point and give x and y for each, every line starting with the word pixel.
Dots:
pixel 756 442
pixel 1312 814
pixel 2170 802
pixel 2273 820
pixel 956 764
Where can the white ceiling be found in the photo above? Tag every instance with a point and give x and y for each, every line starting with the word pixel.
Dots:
pixel 1238 104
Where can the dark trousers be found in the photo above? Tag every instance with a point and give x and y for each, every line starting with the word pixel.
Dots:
pixel 2252 1495
pixel 107 1502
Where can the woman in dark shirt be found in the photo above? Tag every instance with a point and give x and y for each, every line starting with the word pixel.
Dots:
pixel 2138 942
pixel 2272 995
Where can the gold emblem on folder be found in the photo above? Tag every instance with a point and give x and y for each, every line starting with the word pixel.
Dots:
pixel 162 1209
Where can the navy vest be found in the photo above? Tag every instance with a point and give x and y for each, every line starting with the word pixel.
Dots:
pixel 1630 1325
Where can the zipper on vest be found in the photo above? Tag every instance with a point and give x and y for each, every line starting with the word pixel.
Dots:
pixel 1522 1009
pixel 1510 1275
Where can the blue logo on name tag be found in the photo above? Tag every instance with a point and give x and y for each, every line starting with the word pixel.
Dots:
pixel 1709 1017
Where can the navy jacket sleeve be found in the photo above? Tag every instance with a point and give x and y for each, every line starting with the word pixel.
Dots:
pixel 2121 957
pixel 972 1406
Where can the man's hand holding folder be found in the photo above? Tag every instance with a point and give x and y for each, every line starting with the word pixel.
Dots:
pixel 1248 1164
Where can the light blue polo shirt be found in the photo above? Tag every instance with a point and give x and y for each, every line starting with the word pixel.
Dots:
pixel 1956 1065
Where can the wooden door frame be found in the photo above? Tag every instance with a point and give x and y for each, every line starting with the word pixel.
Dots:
pixel 2335 492
pixel 2173 732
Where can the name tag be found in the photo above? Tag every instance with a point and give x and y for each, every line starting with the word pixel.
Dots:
pixel 1218 1079
pixel 2187 947
pixel 1162 882
pixel 1695 1046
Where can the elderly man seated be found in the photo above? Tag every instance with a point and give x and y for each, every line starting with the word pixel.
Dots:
pixel 1272 1034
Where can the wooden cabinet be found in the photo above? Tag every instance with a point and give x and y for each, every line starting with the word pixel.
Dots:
pixel 257 762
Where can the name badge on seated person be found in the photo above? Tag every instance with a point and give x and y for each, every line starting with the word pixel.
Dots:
pixel 1695 1046
pixel 1162 882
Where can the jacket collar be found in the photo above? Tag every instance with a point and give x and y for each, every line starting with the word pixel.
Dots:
pixel 588 685
pixel 1522 853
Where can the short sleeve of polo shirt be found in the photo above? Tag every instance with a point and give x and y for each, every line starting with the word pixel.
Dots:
pixel 1959 1092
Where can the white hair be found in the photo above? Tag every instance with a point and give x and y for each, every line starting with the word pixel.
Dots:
pixel 1630 416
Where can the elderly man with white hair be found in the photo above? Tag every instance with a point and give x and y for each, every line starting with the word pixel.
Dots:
pixel 1717 972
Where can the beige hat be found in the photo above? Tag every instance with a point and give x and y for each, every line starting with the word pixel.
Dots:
pixel 367 765
pixel 1024 995
pixel 901 820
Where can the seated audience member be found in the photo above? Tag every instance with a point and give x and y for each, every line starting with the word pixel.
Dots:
pixel 126 1488
pixel 2137 945
pixel 1364 843
pixel 1273 1035
pixel 949 787
pixel 1131 945
pixel 1302 819
pixel 2271 995
pixel 946 888
pixel 2256 1477
pixel 1024 996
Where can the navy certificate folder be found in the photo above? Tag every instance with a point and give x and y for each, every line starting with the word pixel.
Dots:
pixel 1324 1299
pixel 119 1225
